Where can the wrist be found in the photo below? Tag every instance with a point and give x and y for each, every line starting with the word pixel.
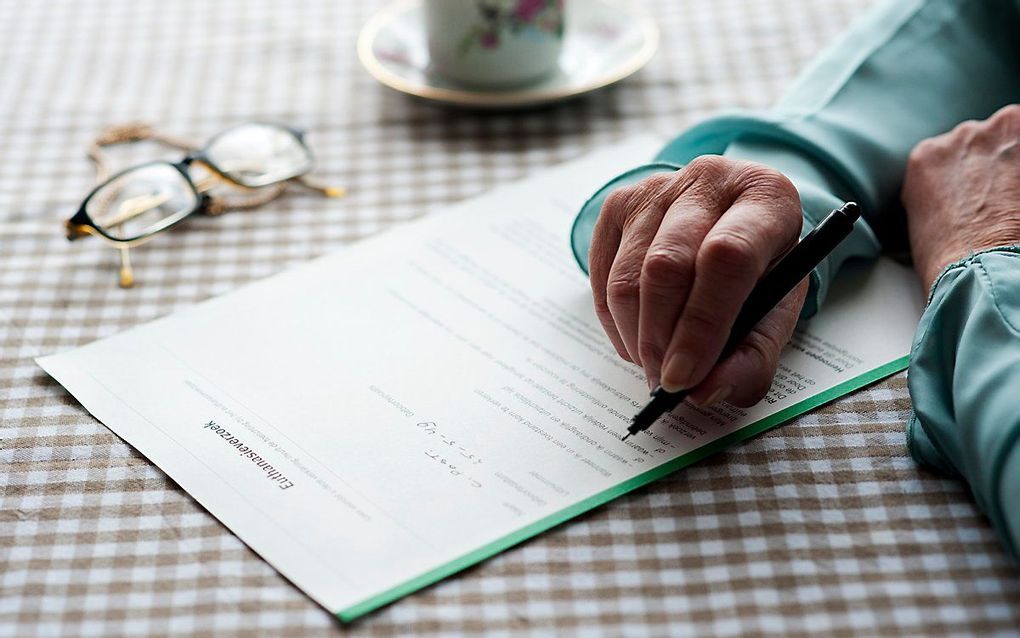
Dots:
pixel 929 269
pixel 931 280
pixel 931 263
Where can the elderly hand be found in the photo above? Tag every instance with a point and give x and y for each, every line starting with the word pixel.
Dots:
pixel 962 192
pixel 672 260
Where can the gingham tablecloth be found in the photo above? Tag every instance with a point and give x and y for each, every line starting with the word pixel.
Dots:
pixel 822 527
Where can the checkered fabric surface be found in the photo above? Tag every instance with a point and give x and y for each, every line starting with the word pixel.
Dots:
pixel 823 526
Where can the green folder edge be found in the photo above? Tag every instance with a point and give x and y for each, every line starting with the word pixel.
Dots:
pixel 519 536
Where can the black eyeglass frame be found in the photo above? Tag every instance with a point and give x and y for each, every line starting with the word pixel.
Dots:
pixel 81 223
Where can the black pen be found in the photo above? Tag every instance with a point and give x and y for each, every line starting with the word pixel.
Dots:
pixel 769 291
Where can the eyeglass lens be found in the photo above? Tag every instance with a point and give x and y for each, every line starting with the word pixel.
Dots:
pixel 258 154
pixel 141 201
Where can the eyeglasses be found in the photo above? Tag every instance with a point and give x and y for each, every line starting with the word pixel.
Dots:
pixel 131 207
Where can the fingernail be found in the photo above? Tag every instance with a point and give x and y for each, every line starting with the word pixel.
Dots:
pixel 652 381
pixel 720 394
pixel 676 374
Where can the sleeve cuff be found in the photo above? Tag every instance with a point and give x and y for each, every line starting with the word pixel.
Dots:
pixel 759 139
pixel 964 379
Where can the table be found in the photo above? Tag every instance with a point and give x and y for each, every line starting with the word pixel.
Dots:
pixel 822 526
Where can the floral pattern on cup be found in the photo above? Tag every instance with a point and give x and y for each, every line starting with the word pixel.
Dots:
pixel 517 17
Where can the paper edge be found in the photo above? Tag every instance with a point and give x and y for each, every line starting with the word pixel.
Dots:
pixel 54 366
pixel 527 532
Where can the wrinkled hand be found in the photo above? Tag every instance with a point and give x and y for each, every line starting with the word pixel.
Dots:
pixel 672 260
pixel 962 192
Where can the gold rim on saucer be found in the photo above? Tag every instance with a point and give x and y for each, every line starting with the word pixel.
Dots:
pixel 479 98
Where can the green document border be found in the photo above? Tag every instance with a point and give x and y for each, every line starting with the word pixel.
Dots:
pixel 375 602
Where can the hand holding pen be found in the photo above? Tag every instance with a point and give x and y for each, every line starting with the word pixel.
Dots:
pixel 672 260
pixel 774 286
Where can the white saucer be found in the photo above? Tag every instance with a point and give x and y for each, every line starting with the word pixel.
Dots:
pixel 605 41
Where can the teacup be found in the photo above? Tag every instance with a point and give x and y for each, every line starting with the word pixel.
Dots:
pixel 494 44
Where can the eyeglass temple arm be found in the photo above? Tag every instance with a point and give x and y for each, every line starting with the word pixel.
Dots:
pixel 310 183
pixel 315 185
pixel 138 205
pixel 131 132
pixel 127 276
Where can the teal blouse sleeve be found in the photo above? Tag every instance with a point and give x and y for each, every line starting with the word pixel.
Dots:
pixel 964 381
pixel 907 70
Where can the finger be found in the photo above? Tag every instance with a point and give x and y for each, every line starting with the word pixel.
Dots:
pixel 745 376
pixel 730 261
pixel 1005 123
pixel 667 274
pixel 624 286
pixel 605 241
pixel 624 209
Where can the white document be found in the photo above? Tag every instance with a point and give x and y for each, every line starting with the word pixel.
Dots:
pixel 383 417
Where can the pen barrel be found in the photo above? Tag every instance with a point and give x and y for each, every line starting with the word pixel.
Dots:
pixel 776 284
pixel 791 269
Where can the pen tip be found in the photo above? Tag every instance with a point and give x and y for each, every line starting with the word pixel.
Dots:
pixel 625 436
